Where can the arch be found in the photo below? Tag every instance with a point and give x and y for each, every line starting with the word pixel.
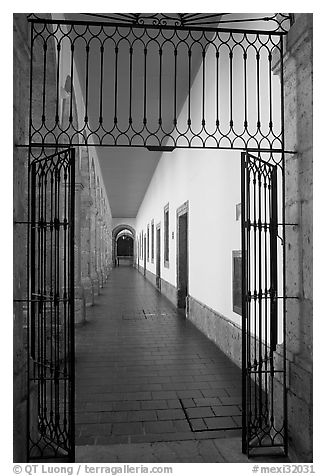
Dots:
pixel 125 246
pixel 116 230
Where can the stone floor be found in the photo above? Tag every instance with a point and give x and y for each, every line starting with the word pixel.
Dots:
pixel 144 374
pixel 216 450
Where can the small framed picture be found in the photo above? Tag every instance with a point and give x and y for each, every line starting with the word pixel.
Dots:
pixel 238 211
pixel 236 281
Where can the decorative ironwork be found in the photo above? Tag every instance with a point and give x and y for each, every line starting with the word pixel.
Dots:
pixel 137 86
pixel 136 74
pixel 263 427
pixel 275 22
pixel 51 311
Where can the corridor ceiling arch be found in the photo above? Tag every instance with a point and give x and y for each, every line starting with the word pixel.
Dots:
pixel 124 232
pixel 120 228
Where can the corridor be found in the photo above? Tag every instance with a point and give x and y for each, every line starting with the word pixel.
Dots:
pixel 145 374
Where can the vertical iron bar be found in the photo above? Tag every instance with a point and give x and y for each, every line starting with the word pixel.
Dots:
pixel 249 303
pixel 72 47
pixel 244 265
pixel 284 252
pixel 44 80
pixel 270 57
pixel 145 86
pixel 189 86
pixel 65 167
pixel 231 87
pixel 72 306
pixel 203 95
pixel 175 88
pixel 245 90
pixel 255 279
pixel 57 304
pixel 51 298
pixel 57 85
pixel 266 297
pixel 258 89
pixel 28 250
pixel 260 173
pixel 217 88
pixel 86 82
pixel 160 87
pixel 31 327
pixel 43 288
pixel 116 85
pixel 39 302
pixel 101 85
pixel 273 237
pixel 130 84
pixel 274 304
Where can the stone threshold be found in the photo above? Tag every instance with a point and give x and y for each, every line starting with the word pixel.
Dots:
pixel 215 450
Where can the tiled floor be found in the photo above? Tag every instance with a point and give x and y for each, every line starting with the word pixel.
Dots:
pixel 145 374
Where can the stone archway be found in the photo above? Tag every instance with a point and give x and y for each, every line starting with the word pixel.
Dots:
pixel 115 233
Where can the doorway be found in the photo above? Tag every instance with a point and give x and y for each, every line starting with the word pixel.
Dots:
pixel 116 135
pixel 182 256
pixel 144 253
pixel 158 256
pixel 125 247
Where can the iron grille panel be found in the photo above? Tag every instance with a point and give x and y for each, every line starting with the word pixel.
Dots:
pixel 90 46
pixel 263 426
pixel 51 312
pixel 141 93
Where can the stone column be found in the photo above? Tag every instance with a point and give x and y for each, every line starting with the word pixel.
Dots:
pixel 93 252
pixel 298 209
pixel 79 291
pixel 85 227
pixel 20 130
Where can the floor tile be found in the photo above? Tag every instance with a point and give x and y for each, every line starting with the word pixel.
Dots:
pixel 137 360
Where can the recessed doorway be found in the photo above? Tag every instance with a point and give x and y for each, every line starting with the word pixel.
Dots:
pixel 182 256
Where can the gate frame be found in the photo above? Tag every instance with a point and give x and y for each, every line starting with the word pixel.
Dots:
pixel 282 151
pixel 71 304
pixel 273 225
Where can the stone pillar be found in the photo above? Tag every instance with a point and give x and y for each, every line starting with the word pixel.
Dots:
pixel 98 221
pixel 21 67
pixel 85 226
pixel 298 209
pixel 93 253
pixel 79 291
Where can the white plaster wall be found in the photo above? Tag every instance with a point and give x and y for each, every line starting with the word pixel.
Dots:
pixel 210 180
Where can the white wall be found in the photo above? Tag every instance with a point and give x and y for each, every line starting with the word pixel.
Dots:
pixel 210 180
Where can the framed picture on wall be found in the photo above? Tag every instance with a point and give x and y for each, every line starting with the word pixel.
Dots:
pixel 236 281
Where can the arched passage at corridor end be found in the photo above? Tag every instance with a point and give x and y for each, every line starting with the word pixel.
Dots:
pixel 117 233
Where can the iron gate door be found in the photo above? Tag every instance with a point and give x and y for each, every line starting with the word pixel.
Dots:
pixel 261 366
pixel 51 311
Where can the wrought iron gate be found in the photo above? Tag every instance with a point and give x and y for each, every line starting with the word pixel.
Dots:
pixel 138 57
pixel 262 368
pixel 51 310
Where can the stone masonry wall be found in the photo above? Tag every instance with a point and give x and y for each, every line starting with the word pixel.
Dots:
pixel 20 71
pixel 298 210
pixel 299 196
